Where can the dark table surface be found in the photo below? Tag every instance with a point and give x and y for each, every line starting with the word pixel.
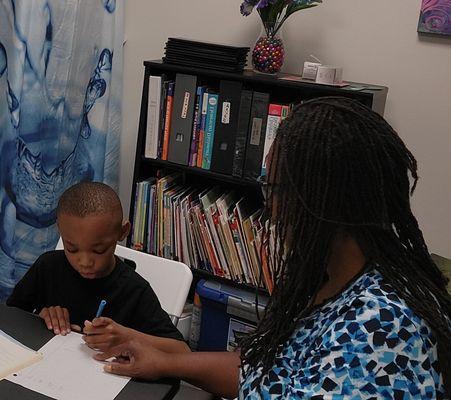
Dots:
pixel 30 330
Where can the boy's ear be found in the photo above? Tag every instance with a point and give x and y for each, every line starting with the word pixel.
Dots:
pixel 125 230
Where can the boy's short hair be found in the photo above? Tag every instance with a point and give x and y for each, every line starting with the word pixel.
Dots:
pixel 89 198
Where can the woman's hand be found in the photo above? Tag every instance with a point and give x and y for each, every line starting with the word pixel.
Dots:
pixel 103 334
pixel 137 359
pixel 57 319
pixel 214 372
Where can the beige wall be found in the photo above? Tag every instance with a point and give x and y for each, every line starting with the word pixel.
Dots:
pixel 375 41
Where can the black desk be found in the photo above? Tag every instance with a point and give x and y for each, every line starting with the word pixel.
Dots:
pixel 30 330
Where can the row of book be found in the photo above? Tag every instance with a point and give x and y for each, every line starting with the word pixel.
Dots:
pixel 229 131
pixel 210 228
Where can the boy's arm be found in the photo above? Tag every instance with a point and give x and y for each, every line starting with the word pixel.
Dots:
pixel 104 334
pixel 28 295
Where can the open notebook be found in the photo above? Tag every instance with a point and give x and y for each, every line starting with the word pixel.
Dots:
pixel 14 356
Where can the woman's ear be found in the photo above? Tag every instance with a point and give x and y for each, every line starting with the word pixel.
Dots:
pixel 125 230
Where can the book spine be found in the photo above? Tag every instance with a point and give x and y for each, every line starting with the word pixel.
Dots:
pixel 153 117
pixel 145 215
pixel 135 215
pixel 236 239
pixel 138 218
pixel 196 127
pixel 209 215
pixel 209 130
pixel 166 226
pixel 154 225
pixel 256 136
pixel 242 132
pixel 182 118
pixel 245 250
pixel 285 111
pixel 168 118
pixel 200 148
pixel 149 219
pixel 199 244
pixel 163 103
pixel 274 118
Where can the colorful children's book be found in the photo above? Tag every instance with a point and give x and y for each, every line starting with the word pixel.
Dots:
pixel 209 134
pixel 196 126
pixel 203 120
pixel 168 119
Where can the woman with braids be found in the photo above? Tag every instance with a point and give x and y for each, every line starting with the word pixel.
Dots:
pixel 359 309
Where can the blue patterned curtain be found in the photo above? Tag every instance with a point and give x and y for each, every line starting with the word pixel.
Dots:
pixel 60 116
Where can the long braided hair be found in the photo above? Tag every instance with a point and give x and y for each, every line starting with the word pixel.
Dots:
pixel 338 165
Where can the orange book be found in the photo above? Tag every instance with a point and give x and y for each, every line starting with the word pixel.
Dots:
pixel 262 251
pixel 200 149
pixel 167 121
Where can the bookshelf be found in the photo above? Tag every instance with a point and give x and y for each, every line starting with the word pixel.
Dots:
pixel 282 88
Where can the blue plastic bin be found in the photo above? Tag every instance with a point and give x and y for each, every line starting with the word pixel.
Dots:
pixel 227 314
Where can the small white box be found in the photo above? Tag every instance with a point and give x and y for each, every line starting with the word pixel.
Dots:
pixel 329 75
pixel 310 70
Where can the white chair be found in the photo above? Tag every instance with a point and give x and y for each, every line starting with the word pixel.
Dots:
pixel 170 280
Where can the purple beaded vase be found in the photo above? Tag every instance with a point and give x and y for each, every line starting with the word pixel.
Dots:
pixel 268 54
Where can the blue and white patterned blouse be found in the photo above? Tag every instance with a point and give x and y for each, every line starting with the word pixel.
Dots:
pixel 364 344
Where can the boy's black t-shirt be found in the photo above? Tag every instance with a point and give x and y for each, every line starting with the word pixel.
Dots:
pixel 51 281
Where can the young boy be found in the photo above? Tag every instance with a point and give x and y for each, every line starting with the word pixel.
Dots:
pixel 66 287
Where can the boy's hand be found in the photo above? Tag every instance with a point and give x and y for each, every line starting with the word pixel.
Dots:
pixel 57 319
pixel 103 333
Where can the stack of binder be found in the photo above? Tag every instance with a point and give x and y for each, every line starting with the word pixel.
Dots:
pixel 205 55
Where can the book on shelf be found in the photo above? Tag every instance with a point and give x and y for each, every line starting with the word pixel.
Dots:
pixel 274 118
pixel 276 113
pixel 182 118
pixel 153 117
pixel 242 133
pixel 256 136
pixel 211 228
pixel 226 126
pixel 162 115
pixel 196 126
pixel 203 120
pixel 167 120
pixel 210 126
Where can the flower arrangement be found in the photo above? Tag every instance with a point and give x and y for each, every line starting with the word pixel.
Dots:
pixel 274 13
pixel 268 52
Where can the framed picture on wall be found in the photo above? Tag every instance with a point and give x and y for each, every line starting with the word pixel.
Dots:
pixel 435 17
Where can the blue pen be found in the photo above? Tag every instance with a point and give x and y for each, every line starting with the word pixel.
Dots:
pixel 100 309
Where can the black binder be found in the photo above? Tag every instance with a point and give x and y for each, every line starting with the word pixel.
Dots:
pixel 241 133
pixel 256 136
pixel 226 126
pixel 182 118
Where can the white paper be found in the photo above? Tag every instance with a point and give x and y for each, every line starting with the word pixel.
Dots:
pixel 14 355
pixel 68 372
